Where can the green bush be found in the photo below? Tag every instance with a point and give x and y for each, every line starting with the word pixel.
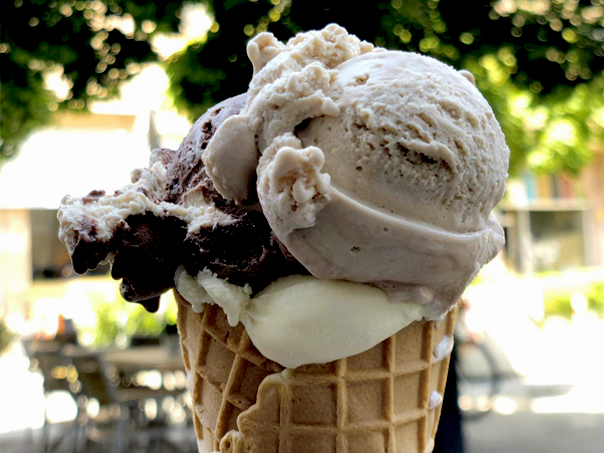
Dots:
pixel 115 318
pixel 558 304
pixel 107 328
pixel 142 323
pixel 595 299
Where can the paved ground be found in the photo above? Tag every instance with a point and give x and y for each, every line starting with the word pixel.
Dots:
pixel 556 405
pixel 527 432
pixel 524 432
pixel 179 440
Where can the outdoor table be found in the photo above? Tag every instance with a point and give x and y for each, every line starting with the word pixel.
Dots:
pixel 142 358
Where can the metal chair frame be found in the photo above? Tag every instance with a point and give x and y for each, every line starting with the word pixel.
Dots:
pixel 122 404
pixel 46 357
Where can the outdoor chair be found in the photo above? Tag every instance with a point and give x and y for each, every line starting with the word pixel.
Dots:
pixel 46 357
pixel 120 421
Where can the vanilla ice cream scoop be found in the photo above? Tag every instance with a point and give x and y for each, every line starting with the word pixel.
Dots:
pixel 373 166
pixel 298 319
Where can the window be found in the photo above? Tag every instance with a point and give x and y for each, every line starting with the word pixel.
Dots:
pixel 540 240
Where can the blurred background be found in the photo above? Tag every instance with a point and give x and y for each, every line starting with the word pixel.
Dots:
pixel 88 88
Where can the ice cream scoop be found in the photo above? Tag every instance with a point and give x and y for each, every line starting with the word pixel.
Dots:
pixel 171 215
pixel 372 166
pixel 299 319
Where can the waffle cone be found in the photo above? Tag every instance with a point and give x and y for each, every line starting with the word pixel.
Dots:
pixel 374 402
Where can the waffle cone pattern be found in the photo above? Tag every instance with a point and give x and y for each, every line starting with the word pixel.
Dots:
pixel 374 402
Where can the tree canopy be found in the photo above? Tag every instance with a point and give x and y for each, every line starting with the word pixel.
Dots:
pixel 539 63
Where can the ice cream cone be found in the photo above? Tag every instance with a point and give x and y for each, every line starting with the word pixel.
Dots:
pixel 386 399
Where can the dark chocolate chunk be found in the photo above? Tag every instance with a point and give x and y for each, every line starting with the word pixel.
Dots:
pixel 148 251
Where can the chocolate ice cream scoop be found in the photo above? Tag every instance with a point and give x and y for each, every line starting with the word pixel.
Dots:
pixel 171 214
